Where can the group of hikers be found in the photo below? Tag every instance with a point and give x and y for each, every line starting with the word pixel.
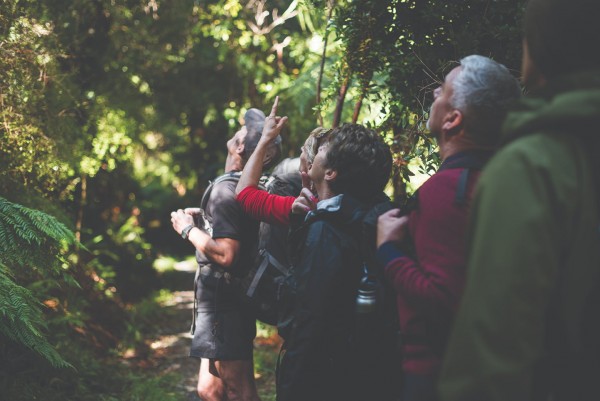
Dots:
pixel 493 268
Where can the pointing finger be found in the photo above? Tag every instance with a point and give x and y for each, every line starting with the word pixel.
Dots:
pixel 274 108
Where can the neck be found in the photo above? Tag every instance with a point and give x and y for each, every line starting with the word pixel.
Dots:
pixel 233 164
pixel 324 192
pixel 457 144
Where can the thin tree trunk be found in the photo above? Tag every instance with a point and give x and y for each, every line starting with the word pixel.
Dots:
pixel 363 92
pixel 337 115
pixel 357 107
pixel 82 203
pixel 322 69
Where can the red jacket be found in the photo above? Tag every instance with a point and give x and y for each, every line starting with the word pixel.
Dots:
pixel 429 281
pixel 263 206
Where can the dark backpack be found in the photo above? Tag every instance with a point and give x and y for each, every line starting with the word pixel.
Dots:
pixel 264 286
pixel 371 331
pixel 377 333
pixel 261 286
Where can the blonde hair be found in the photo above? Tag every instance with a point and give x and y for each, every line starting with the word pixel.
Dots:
pixel 314 140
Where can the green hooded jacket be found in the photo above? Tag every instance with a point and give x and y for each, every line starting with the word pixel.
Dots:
pixel 528 322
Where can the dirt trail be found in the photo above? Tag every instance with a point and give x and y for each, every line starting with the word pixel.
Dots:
pixel 169 348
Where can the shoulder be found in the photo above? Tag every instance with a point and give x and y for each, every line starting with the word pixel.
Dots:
pixel 440 186
pixel 442 177
pixel 222 198
pixel 535 176
pixel 223 189
pixel 538 153
pixel 330 227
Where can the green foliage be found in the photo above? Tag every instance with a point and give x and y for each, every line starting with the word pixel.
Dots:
pixel 143 317
pixel 28 153
pixel 395 52
pixel 113 113
pixel 22 320
pixel 266 352
pixel 31 243
pixel 93 379
pixel 154 390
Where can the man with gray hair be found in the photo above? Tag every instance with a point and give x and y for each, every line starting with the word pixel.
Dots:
pixel 224 329
pixel 428 275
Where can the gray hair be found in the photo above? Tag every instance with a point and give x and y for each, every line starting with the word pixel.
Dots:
pixel 483 91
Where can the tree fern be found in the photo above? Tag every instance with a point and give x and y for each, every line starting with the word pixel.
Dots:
pixel 32 243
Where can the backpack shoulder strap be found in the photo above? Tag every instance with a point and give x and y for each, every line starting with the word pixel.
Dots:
pixel 232 176
pixel 369 233
pixel 472 162
pixel 460 199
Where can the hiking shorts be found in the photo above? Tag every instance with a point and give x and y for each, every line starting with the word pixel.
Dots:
pixel 225 328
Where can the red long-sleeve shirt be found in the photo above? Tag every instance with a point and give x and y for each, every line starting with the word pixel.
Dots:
pixel 263 206
pixel 430 282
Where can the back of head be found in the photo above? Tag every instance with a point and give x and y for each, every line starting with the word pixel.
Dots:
pixel 562 35
pixel 362 160
pixel 483 90
pixel 254 121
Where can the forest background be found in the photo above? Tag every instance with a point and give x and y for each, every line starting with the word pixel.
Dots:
pixel 115 112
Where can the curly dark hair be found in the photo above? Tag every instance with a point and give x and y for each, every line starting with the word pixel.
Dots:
pixel 362 160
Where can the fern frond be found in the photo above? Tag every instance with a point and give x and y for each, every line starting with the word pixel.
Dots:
pixel 29 237
pixel 35 243
pixel 21 319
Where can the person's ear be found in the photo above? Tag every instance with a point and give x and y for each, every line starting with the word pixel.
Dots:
pixel 531 76
pixel 453 123
pixel 330 174
pixel 240 149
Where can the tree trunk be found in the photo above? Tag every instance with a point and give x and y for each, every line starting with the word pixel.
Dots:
pixel 357 107
pixel 364 88
pixel 322 69
pixel 337 115
pixel 82 203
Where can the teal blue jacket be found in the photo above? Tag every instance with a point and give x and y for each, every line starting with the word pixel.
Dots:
pixel 520 333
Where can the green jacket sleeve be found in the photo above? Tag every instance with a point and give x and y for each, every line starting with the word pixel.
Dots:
pixel 513 265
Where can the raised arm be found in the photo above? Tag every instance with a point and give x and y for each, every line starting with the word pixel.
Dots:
pixel 254 166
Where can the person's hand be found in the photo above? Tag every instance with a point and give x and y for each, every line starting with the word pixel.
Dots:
pixel 273 124
pixel 306 182
pixel 180 220
pixel 192 211
pixel 391 226
pixel 305 202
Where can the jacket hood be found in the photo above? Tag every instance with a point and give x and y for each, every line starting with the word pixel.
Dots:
pixel 343 208
pixel 566 104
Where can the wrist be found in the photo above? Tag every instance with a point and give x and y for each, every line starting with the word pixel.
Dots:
pixel 186 231
pixel 388 251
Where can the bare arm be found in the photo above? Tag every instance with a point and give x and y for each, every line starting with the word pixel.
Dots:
pixel 223 251
pixel 253 168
